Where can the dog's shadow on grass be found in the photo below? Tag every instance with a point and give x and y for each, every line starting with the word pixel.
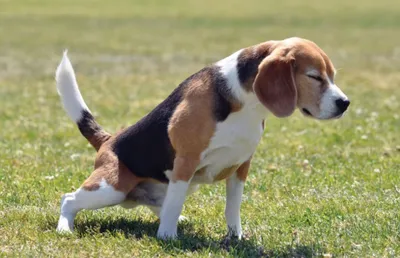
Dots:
pixel 189 239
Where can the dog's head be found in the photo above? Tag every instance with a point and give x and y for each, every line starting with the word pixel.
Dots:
pixel 297 73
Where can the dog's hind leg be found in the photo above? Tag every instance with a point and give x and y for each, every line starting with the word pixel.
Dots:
pixel 72 203
pixel 108 185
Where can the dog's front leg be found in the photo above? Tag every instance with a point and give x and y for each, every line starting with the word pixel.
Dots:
pixel 234 192
pixel 184 168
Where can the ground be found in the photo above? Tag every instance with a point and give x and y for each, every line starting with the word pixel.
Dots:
pixel 316 188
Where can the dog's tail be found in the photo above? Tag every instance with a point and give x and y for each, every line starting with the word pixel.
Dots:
pixel 75 105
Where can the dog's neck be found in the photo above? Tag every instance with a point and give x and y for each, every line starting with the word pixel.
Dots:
pixel 240 70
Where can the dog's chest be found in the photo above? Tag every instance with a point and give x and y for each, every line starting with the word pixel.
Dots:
pixel 233 143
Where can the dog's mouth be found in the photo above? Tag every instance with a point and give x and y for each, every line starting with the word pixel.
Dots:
pixel 306 112
pixel 338 115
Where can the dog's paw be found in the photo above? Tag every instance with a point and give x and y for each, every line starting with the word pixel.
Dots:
pixel 63 230
pixel 166 235
pixel 182 218
pixel 235 233
pixel 65 225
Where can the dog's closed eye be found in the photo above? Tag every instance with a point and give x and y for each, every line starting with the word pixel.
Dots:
pixel 316 77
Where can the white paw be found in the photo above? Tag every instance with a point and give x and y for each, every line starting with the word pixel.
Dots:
pixel 182 218
pixel 63 230
pixel 65 225
pixel 235 232
pixel 164 235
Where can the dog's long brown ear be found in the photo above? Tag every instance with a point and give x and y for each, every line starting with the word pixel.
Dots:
pixel 274 84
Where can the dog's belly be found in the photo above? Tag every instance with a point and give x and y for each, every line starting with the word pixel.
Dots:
pixel 150 193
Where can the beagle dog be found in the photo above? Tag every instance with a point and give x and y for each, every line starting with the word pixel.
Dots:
pixel 205 131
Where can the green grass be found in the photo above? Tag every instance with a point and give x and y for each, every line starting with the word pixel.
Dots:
pixel 130 55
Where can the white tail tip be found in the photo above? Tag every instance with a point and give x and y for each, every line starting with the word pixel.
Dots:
pixel 64 67
pixel 67 88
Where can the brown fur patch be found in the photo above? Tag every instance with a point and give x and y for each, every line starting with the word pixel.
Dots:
pixel 309 95
pixel 184 168
pixel 225 173
pixel 97 139
pixel 243 170
pixel 115 173
pixel 235 105
pixel 275 86
pixel 192 126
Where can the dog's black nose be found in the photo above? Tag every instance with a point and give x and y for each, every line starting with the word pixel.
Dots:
pixel 342 104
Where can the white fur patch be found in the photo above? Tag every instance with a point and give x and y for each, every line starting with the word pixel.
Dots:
pixel 72 203
pixel 328 105
pixel 228 68
pixel 68 89
pixel 234 141
pixel 171 209
pixel 234 192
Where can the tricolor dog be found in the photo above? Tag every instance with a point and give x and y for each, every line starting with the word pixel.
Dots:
pixel 205 131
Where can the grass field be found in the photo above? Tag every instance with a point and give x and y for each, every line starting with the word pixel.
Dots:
pixel 345 201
